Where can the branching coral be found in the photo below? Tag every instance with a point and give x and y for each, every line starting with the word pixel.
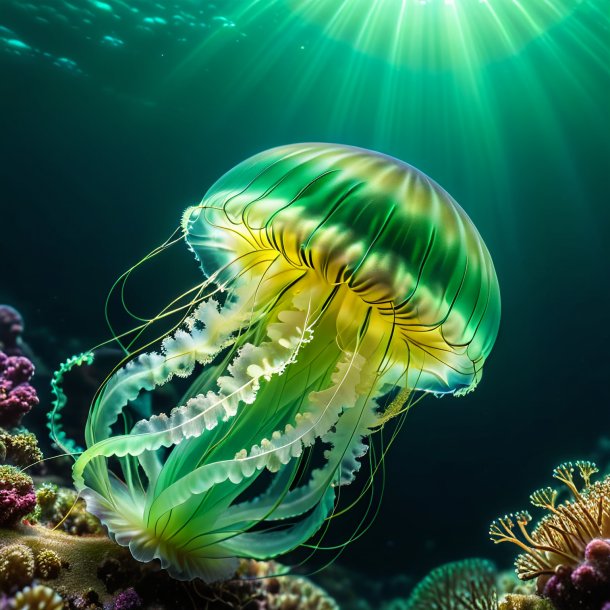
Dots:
pixel 17 496
pixel 464 585
pixel 17 396
pixel 568 551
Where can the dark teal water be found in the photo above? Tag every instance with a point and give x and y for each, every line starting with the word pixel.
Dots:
pixel 99 158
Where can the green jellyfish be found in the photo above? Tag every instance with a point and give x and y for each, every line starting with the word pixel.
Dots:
pixel 339 283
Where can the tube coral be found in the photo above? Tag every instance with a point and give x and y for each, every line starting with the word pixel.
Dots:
pixel 340 282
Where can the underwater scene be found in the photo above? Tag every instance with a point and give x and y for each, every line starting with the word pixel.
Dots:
pixel 303 304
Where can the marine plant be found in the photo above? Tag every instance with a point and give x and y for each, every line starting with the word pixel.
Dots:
pixel 339 284
pixel 568 551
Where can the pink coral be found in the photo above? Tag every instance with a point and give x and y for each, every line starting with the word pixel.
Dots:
pixel 11 327
pixel 17 495
pixel 127 600
pixel 586 586
pixel 17 396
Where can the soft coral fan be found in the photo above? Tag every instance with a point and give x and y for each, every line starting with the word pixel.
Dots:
pixel 568 552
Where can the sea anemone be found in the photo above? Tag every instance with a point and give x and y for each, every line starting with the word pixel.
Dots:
pixel 568 552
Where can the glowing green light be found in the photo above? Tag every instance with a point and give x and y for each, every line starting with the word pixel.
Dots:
pixel 435 33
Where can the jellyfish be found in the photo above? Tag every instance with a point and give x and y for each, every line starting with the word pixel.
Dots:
pixel 338 284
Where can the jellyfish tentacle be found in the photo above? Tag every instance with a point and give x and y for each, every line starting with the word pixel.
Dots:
pixel 347 447
pixel 324 410
pixel 150 370
pixel 263 545
pixel 202 411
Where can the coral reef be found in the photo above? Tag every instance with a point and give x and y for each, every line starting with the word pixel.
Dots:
pixel 63 508
pixel 48 564
pixel 17 566
pixel 92 572
pixel 586 586
pixel 17 396
pixel 524 602
pixel 17 497
pixel 300 594
pixel 568 552
pixel 127 600
pixel 470 584
pixel 38 597
pixel 11 328
pixel 463 585
pixel 19 449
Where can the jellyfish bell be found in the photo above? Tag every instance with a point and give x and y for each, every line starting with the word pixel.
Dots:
pixel 335 277
pixel 366 240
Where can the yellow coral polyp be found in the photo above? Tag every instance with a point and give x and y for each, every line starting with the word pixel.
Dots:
pixel 560 538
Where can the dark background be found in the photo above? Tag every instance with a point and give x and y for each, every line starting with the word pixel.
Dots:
pixel 97 167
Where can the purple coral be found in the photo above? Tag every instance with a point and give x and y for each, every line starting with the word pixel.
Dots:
pixel 17 495
pixel 587 586
pixel 11 327
pixel 127 600
pixel 17 396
